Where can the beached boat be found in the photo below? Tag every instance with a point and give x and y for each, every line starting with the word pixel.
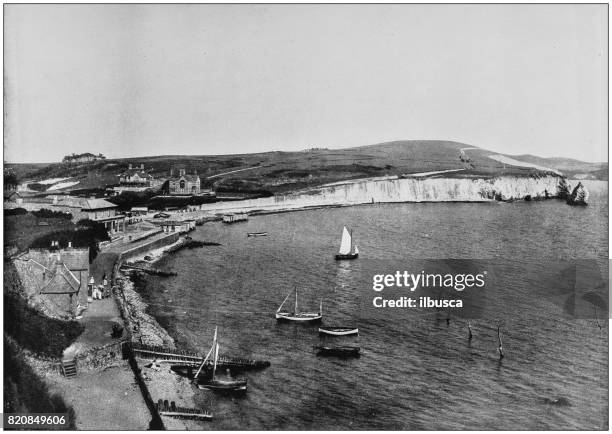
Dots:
pixel 338 331
pixel 257 234
pixel 296 315
pixel 347 249
pixel 228 385
pixel 338 351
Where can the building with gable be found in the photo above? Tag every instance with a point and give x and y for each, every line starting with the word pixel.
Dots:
pixel 57 278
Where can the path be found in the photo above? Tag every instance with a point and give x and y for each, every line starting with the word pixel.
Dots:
pixel 233 171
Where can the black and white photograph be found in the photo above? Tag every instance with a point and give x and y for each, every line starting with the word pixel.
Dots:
pixel 306 216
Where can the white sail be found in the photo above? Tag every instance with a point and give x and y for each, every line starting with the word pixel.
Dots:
pixel 345 245
pixel 216 358
pixel 356 251
pixel 207 355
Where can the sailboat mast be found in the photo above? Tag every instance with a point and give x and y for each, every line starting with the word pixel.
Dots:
pixel 296 302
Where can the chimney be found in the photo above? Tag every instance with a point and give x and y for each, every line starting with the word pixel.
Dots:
pixel 171 172
pixel 141 166
pixel 130 167
pixel 70 244
pixel 182 172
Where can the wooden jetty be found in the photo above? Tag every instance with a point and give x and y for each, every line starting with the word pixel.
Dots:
pixel 172 410
pixel 191 358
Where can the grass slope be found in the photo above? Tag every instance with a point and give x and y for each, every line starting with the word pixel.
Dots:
pixel 283 171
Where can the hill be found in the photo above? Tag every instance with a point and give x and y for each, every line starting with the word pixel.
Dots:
pixel 285 171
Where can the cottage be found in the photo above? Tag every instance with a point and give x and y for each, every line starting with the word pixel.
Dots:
pixel 56 277
pixel 183 184
pixel 102 211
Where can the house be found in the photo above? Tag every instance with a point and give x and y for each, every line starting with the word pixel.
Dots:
pixel 56 277
pixel 102 211
pixel 82 158
pixel 183 184
pixel 136 177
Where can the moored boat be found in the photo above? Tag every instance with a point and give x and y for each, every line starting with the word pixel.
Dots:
pixel 338 351
pixel 347 249
pixel 296 315
pixel 338 331
pixel 257 234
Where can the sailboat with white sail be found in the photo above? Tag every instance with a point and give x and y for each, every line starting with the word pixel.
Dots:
pixel 219 384
pixel 296 315
pixel 347 249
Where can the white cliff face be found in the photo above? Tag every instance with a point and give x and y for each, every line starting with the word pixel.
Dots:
pixel 400 190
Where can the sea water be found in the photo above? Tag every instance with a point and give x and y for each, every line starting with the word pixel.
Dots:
pixel 416 371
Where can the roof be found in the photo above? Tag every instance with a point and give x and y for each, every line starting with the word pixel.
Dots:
pixel 140 208
pixel 91 204
pixel 139 172
pixel 54 272
pixel 191 178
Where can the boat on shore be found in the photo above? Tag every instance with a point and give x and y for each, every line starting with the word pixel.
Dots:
pixel 296 315
pixel 257 234
pixel 338 351
pixel 347 249
pixel 338 331
pixel 226 385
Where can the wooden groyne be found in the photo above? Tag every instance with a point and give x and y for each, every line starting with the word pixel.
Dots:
pixel 166 355
pixel 172 410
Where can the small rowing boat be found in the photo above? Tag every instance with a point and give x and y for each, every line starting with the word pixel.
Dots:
pixel 338 351
pixel 338 331
pixel 257 234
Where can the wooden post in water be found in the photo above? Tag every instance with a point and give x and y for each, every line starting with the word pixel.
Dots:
pixel 469 331
pixel 500 348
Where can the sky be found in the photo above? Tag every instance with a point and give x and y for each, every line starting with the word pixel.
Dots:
pixel 138 80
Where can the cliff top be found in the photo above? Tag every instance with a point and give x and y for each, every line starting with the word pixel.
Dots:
pixel 286 171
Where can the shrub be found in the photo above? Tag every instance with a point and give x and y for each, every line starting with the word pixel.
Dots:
pixel 25 391
pixel 50 214
pixel 15 211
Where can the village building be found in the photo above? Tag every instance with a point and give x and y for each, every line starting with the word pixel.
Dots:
pixel 102 211
pixel 86 157
pixel 56 278
pixel 183 184
pixel 136 176
pixel 182 226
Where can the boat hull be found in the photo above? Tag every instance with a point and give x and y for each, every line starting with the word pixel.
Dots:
pixel 338 331
pixel 224 386
pixel 339 351
pixel 341 257
pixel 303 318
pixel 257 234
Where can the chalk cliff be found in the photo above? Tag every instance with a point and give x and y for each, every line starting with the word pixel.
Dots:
pixel 440 189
